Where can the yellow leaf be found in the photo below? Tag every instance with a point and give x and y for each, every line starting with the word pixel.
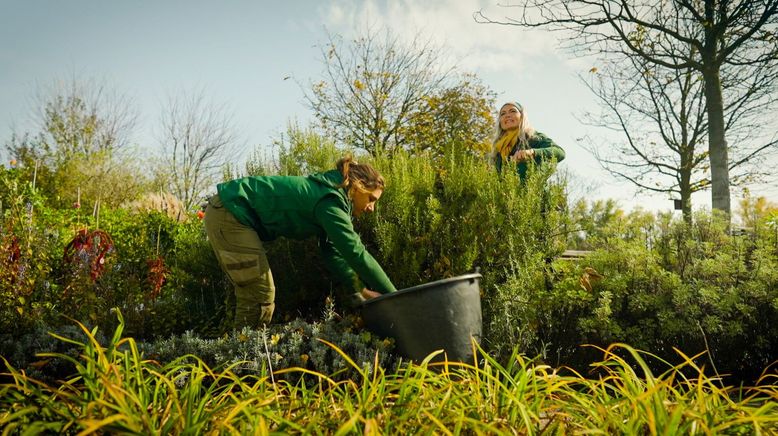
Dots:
pixel 589 276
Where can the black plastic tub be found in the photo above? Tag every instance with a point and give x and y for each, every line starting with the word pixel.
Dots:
pixel 444 314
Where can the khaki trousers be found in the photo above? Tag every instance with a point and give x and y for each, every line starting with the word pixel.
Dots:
pixel 243 258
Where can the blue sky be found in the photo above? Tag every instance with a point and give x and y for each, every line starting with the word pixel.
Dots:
pixel 239 52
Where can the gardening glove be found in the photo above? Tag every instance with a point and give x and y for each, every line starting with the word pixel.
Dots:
pixel 368 294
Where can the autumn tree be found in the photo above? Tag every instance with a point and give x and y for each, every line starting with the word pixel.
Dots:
pixel 705 36
pixel 197 140
pixel 754 210
pixel 379 94
pixel 458 114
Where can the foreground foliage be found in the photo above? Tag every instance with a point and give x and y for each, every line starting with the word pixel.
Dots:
pixel 278 346
pixel 118 390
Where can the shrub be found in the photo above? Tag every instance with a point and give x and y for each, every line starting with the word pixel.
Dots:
pixel 439 220
pixel 22 350
pixel 192 295
pixel 279 346
pixel 285 345
pixel 665 285
pixel 29 247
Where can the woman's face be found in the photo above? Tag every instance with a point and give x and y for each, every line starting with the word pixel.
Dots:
pixel 510 117
pixel 365 201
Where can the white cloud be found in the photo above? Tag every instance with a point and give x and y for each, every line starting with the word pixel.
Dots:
pixel 334 15
pixel 480 48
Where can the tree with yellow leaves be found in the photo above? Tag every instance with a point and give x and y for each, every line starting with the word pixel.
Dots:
pixel 381 94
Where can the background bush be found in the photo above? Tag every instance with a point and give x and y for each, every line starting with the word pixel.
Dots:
pixel 665 285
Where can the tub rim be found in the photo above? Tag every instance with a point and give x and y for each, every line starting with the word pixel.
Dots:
pixel 423 286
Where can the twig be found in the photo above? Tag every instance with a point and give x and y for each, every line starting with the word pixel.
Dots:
pixel 710 354
pixel 159 232
pixel 267 353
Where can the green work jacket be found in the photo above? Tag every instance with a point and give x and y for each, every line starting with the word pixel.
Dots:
pixel 545 150
pixel 299 207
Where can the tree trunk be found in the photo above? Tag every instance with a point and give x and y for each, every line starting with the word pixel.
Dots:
pixel 717 143
pixel 684 184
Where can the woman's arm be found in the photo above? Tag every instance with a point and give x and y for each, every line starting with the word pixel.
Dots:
pixel 344 252
pixel 544 148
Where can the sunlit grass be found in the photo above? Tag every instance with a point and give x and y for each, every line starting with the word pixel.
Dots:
pixel 116 390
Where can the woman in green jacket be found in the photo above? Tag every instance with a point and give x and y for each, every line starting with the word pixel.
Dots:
pixel 249 211
pixel 517 141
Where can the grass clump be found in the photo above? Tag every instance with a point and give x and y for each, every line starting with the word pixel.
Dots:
pixel 118 390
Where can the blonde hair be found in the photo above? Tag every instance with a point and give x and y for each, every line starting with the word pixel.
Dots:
pixel 363 177
pixel 526 132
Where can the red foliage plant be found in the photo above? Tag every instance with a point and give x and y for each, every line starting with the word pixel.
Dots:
pixel 9 263
pixel 157 273
pixel 90 247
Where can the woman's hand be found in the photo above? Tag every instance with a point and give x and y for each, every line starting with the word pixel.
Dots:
pixel 368 294
pixel 523 155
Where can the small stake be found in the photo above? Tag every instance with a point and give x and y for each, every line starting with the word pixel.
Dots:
pixel 97 213
pixel 35 175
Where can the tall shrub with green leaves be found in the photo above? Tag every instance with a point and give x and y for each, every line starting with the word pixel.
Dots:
pixel 441 219
pixel 661 284
pixel 446 217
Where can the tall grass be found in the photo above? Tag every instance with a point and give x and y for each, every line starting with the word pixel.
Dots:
pixel 116 390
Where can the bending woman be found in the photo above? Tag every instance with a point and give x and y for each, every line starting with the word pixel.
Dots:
pixel 249 211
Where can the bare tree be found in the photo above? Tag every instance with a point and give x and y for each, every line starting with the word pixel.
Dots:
pixel 374 87
pixel 703 35
pixel 81 143
pixel 197 140
pixel 661 115
pixel 84 117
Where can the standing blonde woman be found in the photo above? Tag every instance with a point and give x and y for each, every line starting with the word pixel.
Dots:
pixel 517 141
pixel 249 211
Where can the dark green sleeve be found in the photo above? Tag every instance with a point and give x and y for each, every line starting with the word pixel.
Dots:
pixel 343 251
pixel 339 267
pixel 545 148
